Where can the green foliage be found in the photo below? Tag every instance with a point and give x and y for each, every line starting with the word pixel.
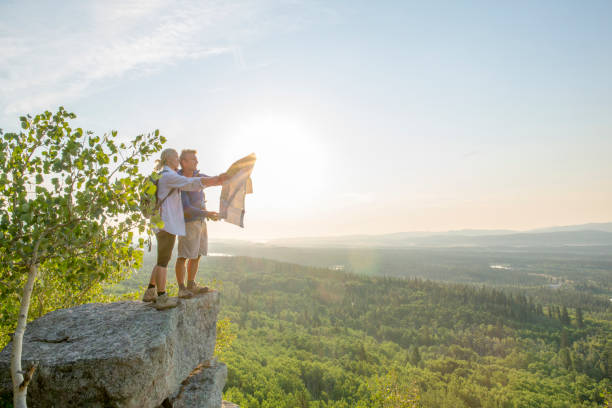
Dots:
pixel 391 391
pixel 318 338
pixel 225 336
pixel 70 205
pixel 607 396
pixel 6 401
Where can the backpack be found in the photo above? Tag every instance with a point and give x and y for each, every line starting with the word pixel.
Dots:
pixel 150 204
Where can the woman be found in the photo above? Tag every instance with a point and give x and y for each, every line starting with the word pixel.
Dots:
pixel 168 190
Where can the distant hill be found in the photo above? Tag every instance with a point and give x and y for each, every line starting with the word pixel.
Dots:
pixel 574 235
pixel 530 239
pixel 603 226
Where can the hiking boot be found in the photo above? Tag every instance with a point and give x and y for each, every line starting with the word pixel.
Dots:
pixel 196 289
pixel 150 295
pixel 185 293
pixel 164 302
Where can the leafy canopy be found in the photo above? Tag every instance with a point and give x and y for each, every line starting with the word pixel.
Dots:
pixel 69 202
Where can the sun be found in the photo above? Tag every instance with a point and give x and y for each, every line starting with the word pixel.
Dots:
pixel 291 159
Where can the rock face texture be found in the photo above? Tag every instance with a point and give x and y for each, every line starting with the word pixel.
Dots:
pixel 203 388
pixel 123 354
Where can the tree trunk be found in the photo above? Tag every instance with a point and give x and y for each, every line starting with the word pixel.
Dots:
pixel 19 391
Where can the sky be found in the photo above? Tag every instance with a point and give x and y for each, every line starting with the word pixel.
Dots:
pixel 366 117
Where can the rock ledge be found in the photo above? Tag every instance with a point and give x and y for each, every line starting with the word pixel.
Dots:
pixel 123 354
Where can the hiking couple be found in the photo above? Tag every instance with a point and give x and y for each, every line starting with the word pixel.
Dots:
pixel 183 212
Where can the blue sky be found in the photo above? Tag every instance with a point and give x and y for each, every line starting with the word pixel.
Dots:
pixel 367 117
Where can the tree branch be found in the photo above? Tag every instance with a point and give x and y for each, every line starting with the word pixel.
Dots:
pixel 27 377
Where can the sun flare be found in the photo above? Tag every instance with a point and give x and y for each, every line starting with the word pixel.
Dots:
pixel 291 158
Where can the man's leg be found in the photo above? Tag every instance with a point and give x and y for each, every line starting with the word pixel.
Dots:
pixel 187 245
pixel 194 263
pixel 179 268
pixel 192 268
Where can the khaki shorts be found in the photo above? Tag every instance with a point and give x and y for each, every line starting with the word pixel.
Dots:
pixel 195 242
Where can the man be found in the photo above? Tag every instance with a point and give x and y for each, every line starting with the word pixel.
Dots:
pixel 194 243
pixel 168 192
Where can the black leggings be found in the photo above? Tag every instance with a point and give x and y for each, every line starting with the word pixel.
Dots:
pixel 165 245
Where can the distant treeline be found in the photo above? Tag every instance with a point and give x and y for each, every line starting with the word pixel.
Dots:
pixel 587 269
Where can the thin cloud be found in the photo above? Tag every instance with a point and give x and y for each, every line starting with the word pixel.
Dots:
pixel 89 44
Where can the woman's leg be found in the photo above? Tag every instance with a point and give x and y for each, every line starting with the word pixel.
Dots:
pixel 165 245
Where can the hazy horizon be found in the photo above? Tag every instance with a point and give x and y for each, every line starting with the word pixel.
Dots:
pixel 366 118
pixel 607 227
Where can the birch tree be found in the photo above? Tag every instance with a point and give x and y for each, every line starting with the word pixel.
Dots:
pixel 69 204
